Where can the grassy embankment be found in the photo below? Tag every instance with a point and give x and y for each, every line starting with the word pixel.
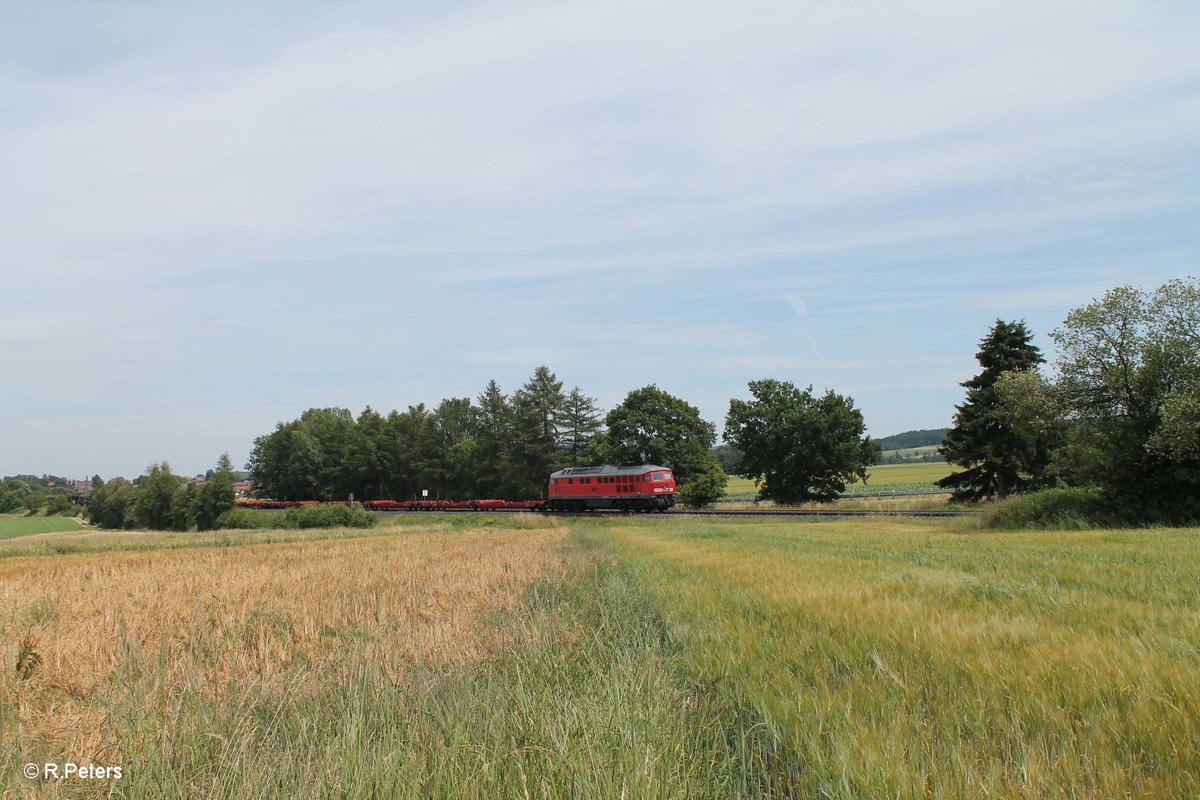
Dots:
pixel 13 525
pixel 666 658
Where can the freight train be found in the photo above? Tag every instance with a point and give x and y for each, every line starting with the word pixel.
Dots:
pixel 644 487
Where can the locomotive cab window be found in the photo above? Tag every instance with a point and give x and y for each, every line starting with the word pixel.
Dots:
pixel 658 476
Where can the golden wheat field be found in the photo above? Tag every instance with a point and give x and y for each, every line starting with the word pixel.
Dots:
pixel 605 657
pixel 99 635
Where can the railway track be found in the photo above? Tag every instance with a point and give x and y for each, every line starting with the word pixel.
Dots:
pixel 828 512
pixel 809 512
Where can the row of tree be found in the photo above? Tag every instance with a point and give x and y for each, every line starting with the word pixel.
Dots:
pixel 33 494
pixel 1119 410
pixel 502 446
pixel 161 500
pixel 800 446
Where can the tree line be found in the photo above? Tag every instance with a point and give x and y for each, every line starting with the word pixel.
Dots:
pixel 29 493
pixel 161 500
pixel 913 439
pixel 799 445
pixel 1117 413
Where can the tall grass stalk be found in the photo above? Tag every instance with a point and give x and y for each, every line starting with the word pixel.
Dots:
pixel 578 692
pixel 914 660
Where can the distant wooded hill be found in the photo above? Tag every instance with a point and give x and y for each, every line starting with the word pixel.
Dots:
pixel 912 447
pixel 910 439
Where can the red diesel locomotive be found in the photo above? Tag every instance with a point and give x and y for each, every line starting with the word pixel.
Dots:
pixel 634 488
pixel 645 487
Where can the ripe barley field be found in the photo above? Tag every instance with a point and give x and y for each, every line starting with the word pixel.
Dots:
pixel 121 655
pixel 518 657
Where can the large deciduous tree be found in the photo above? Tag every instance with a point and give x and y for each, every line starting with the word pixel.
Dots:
pixel 155 495
pixel 1129 377
pixel 653 427
pixel 996 460
pixel 798 446
pixel 111 504
pixel 312 458
pixel 454 443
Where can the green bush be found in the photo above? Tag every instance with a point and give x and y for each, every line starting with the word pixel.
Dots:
pixel 705 487
pixel 314 516
pixel 1062 509
pixel 324 516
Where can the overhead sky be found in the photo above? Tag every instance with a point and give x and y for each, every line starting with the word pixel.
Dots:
pixel 215 215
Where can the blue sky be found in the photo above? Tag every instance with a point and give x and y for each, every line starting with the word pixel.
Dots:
pixel 215 217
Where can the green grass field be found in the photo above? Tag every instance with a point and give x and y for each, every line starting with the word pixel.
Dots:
pixel 672 658
pixel 12 525
pixel 928 449
pixel 892 474
pixel 882 479
pixel 902 659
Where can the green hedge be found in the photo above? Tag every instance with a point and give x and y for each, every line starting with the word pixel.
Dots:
pixel 329 517
pixel 299 517
pixel 1061 509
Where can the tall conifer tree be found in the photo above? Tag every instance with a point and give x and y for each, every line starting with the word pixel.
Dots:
pixel 992 455
pixel 579 424
pixel 537 408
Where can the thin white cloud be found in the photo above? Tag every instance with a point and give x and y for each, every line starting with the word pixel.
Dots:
pixel 797 303
pixel 250 200
pixel 549 113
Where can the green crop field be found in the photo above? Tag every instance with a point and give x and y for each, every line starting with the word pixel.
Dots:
pixel 892 474
pixel 882 479
pixel 12 525
pixel 524 657
pixel 897 659
pixel 929 449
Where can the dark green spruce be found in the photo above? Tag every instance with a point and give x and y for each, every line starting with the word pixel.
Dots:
pixel 996 462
